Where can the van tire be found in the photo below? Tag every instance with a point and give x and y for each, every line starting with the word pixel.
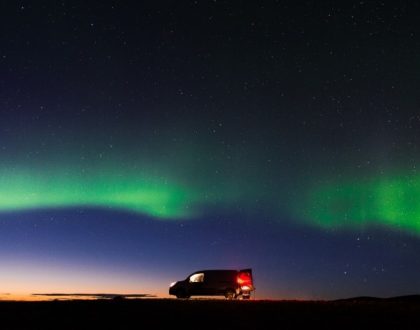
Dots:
pixel 230 294
pixel 182 295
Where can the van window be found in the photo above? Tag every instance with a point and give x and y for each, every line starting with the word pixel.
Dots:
pixel 199 277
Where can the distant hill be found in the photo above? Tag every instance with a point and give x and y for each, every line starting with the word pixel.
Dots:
pixel 414 298
pixel 409 298
pixel 93 295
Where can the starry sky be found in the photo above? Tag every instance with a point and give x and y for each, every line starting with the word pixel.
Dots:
pixel 143 140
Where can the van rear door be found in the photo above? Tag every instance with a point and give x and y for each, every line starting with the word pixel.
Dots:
pixel 245 279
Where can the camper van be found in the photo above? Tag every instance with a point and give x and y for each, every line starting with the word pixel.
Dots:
pixel 232 284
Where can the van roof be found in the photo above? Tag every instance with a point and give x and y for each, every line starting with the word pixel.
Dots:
pixel 221 270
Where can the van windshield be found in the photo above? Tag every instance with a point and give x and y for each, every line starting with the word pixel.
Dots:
pixel 198 277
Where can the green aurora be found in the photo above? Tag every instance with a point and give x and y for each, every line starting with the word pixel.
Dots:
pixel 392 201
pixel 184 178
pixel 133 189
pixel 31 189
pixel 165 177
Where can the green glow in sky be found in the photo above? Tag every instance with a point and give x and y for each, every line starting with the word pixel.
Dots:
pixel 392 201
pixel 31 189
pixel 184 178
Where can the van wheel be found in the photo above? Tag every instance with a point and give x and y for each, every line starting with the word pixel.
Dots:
pixel 182 295
pixel 230 294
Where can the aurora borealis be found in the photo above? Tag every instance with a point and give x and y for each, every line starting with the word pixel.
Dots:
pixel 30 190
pixel 379 201
pixel 390 201
pixel 141 141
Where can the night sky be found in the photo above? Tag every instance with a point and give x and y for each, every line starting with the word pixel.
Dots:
pixel 143 140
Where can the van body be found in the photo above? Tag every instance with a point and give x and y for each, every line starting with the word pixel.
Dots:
pixel 218 282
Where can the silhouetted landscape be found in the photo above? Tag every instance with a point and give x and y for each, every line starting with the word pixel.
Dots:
pixel 70 296
pixel 397 313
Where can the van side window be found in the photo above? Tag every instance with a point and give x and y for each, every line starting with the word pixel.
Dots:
pixel 195 278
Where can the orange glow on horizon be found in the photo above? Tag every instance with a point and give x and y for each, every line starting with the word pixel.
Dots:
pixel 21 281
pixel 64 296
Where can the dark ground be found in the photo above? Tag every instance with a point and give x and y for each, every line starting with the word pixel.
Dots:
pixel 215 314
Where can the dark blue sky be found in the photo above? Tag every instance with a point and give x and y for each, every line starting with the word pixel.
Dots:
pixel 140 142
pixel 74 249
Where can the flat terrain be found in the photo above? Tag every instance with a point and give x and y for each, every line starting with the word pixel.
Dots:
pixel 205 314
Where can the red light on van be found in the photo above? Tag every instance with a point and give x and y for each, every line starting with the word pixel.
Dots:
pixel 244 279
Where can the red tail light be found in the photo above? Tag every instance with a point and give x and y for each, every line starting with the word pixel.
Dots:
pixel 244 279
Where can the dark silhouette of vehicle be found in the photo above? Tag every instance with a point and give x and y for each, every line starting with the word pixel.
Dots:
pixel 223 282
